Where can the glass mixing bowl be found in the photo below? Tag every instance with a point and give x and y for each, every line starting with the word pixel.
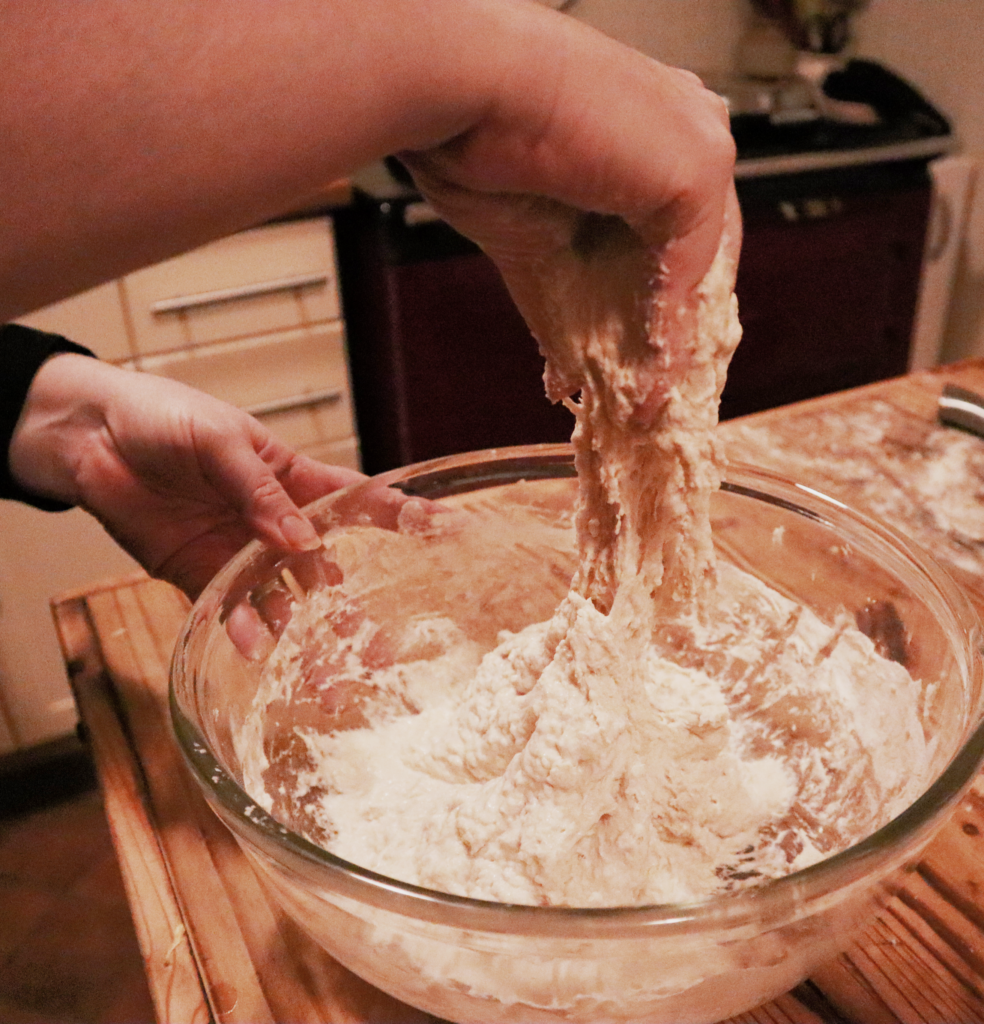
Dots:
pixel 468 960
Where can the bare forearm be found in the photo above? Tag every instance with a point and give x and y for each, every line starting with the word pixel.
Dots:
pixel 135 129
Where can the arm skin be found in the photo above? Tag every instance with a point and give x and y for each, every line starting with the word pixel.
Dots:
pixel 135 130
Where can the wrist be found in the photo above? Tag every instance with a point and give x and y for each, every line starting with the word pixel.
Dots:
pixel 62 405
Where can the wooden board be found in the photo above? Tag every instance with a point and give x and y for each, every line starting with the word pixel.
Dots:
pixel 217 949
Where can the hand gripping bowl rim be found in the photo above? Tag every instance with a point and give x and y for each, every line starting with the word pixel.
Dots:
pixel 787 898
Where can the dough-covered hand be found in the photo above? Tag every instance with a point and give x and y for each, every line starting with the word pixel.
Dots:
pixel 601 190
pixel 181 480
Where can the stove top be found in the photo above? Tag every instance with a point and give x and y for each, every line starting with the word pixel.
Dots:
pixel 860 113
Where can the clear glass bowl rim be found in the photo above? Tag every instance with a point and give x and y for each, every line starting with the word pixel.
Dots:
pixel 865 862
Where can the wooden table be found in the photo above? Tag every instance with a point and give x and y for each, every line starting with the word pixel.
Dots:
pixel 217 950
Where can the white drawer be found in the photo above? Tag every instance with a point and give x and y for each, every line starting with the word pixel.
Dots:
pixel 306 420
pixel 337 453
pixel 267 373
pixel 93 318
pixel 266 279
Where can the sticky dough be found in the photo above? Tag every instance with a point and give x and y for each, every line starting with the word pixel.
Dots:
pixel 636 746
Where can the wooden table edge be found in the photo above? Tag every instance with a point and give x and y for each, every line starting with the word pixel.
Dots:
pixel 176 987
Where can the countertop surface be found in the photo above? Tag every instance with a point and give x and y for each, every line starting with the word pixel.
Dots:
pixel 216 949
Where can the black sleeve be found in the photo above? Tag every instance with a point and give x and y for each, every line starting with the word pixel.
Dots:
pixel 22 351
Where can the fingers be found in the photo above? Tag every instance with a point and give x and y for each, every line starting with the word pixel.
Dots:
pixel 193 565
pixel 678 303
pixel 588 126
pixel 267 482
pixel 683 263
pixel 686 257
pixel 263 489
pixel 307 479
pixel 596 126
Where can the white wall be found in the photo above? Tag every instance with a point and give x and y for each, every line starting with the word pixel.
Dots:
pixel 939 46
pixel 42 554
pixel 700 35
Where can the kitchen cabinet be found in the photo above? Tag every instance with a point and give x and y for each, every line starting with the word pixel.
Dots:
pixel 442 361
pixel 43 554
pixel 96 319
pixel 267 279
pixel 254 319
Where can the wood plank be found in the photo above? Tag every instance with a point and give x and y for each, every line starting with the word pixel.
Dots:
pixel 66 597
pixel 786 1009
pixel 922 924
pixel 916 988
pixel 140 679
pixel 301 981
pixel 172 973
pixel 849 992
pixel 885 471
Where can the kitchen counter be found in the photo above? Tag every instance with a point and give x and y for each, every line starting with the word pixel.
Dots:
pixel 216 949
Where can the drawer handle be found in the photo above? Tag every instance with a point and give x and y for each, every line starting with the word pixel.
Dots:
pixel 415 214
pixel 246 291
pixel 304 401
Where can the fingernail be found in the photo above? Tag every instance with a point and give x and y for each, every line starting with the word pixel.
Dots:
pixel 299 533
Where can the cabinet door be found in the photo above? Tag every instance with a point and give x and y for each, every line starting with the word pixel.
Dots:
pixel 314 425
pixel 270 278
pixel 442 361
pixel 41 555
pixel 258 372
pixel 337 453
